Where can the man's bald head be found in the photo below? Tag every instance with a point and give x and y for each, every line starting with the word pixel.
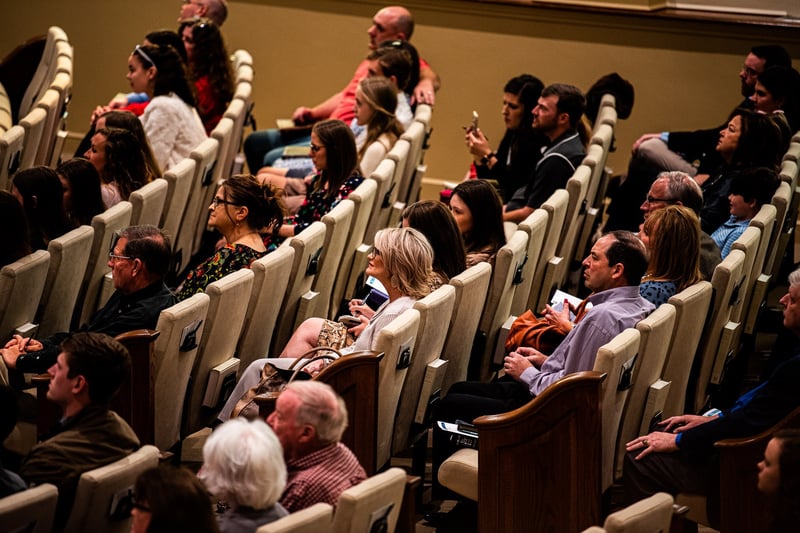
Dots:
pixel 390 23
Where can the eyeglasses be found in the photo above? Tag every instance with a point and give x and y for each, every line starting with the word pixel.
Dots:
pixel 375 252
pixel 139 50
pixel 114 257
pixel 314 148
pixel 653 200
pixel 216 201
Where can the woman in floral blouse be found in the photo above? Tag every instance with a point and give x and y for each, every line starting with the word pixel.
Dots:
pixel 333 150
pixel 241 207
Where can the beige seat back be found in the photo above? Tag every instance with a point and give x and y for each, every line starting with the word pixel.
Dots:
pixel 596 160
pixel 578 188
pixel 307 252
pixel 748 243
pixel 383 176
pixel 415 135
pixel 241 57
pixel 793 152
pixel 223 133
pixel 715 342
pixel 783 232
pixel 604 137
pixel 21 284
pixel 396 341
pixel 400 154
pixel 31 510
pixel 271 278
pixel 616 359
pixel 39 80
pixel 651 514
pixel 148 203
pixel 372 505
pixel 237 112
pixel 204 156
pixel 312 519
pixel 472 287
pixel 363 199
pixel 50 102
pixel 765 220
pixel 508 261
pixel 105 225
pixel 97 489
pixel 69 255
pixel 226 313
pixel 11 143
pixel 535 226
pixel 435 311
pixel 179 183
pixel 548 267
pixel 175 352
pixel 338 223
pixel 34 124
pixel 691 306
pixel 655 332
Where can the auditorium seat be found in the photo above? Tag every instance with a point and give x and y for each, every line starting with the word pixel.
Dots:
pixel 653 514
pixel 372 505
pixel 314 519
pixel 31 511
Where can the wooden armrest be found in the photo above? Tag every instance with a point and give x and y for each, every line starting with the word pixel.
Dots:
pixel 790 420
pixel 37 379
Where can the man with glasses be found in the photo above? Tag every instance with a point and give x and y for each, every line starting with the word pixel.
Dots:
pixel 678 188
pixel 139 259
pixel 216 10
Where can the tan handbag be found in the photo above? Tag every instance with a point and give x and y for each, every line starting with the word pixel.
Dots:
pixel 274 380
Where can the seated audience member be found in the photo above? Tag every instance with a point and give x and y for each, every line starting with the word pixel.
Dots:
pixel 39 192
pixel 397 61
pixel 171 499
pixel 779 478
pixel 478 213
pixel 750 189
pixel 678 188
pixel 515 160
pixel 778 89
pixel 750 140
pixel 128 121
pixel 216 10
pixel 17 239
pixel 83 199
pixel 681 456
pixel 401 259
pixel 87 373
pixel 376 101
pixel 309 420
pixel 672 237
pixel 262 148
pixel 243 466
pixel 10 482
pixel 333 151
pixel 434 220
pixel 240 208
pixel 612 272
pixel 170 121
pixel 557 116
pixel 210 66
pixel 679 150
pixel 139 260
pixel 119 159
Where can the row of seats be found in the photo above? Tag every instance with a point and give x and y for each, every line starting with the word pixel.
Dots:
pixel 38 137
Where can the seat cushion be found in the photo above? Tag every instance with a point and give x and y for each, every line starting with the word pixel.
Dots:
pixel 459 473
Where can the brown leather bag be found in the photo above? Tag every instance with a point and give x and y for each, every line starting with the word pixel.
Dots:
pixel 530 331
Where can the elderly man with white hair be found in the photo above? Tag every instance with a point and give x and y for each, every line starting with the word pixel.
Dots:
pixel 309 420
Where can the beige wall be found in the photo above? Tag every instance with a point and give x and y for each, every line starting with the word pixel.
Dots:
pixel 684 72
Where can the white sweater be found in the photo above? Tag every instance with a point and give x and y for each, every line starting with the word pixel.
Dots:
pixel 173 129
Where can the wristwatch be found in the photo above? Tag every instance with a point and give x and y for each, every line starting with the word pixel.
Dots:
pixel 485 159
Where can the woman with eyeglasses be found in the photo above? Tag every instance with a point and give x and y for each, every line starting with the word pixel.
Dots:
pixel 210 66
pixel 170 121
pixel 333 151
pixel 241 207
pixel 402 260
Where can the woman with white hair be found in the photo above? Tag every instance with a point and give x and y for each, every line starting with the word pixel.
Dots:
pixel 243 466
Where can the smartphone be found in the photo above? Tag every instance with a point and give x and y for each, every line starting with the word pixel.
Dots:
pixel 349 320
pixel 474 125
